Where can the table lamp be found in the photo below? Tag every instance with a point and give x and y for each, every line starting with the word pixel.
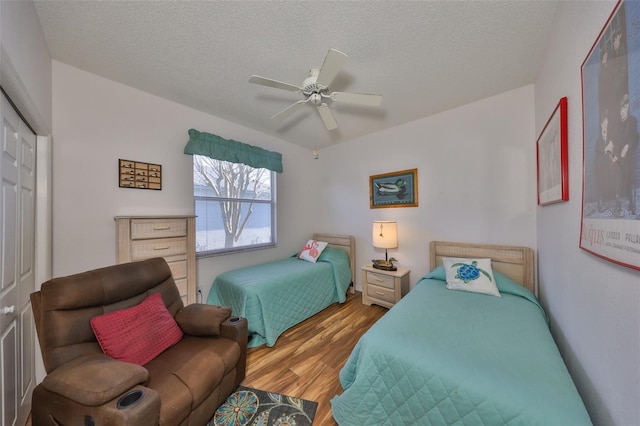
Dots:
pixel 385 235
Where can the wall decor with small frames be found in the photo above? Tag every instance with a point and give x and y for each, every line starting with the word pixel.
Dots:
pixel 139 175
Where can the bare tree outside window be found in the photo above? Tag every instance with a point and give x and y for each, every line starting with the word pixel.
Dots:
pixel 235 206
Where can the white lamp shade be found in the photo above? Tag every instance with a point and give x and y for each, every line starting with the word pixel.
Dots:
pixel 385 234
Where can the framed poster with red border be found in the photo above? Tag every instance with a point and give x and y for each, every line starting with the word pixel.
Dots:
pixel 610 227
pixel 553 158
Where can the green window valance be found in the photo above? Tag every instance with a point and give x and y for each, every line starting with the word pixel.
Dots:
pixel 214 146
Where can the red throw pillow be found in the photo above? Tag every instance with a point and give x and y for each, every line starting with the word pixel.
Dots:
pixel 137 334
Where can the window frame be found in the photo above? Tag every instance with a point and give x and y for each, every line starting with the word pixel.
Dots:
pixel 246 248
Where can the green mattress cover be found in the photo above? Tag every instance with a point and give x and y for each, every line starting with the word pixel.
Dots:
pixel 277 295
pixel 444 357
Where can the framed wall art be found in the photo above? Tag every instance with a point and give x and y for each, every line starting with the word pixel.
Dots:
pixel 552 158
pixel 610 225
pixel 396 189
pixel 139 175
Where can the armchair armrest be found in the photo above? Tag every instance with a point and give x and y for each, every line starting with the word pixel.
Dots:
pixel 94 379
pixel 199 319
pixel 236 329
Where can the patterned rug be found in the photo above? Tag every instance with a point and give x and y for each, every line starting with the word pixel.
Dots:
pixel 247 406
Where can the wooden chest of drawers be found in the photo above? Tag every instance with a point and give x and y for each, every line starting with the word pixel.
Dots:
pixel 170 237
pixel 384 288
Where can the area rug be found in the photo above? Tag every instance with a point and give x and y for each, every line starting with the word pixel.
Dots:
pixel 252 407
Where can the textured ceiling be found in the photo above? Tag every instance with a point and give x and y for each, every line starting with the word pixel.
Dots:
pixel 423 57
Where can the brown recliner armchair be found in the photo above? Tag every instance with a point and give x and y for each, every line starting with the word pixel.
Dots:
pixel 183 385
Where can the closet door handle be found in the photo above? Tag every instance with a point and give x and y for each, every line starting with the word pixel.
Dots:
pixel 6 310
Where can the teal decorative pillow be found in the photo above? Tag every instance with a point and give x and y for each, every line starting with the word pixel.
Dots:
pixel 473 275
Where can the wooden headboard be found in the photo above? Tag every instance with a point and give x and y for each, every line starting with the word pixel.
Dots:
pixel 514 261
pixel 342 242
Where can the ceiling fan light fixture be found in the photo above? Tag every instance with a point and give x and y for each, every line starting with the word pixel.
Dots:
pixel 315 99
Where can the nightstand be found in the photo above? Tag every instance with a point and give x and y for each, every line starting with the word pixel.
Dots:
pixel 384 288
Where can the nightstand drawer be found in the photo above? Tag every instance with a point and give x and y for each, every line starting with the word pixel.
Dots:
pixel 381 293
pixel 384 288
pixel 380 280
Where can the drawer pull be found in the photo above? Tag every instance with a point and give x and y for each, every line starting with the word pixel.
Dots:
pixel 162 247
pixel 161 228
pixel 380 280
pixel 379 293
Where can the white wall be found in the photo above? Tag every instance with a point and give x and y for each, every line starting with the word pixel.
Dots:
pixel 97 122
pixel 25 64
pixel 594 305
pixel 476 176
pixel 476 180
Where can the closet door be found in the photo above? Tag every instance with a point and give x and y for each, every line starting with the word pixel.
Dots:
pixel 17 274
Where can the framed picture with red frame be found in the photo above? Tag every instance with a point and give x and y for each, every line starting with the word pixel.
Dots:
pixel 553 158
pixel 610 227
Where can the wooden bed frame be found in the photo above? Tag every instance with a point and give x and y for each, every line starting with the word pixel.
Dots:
pixel 516 262
pixel 342 242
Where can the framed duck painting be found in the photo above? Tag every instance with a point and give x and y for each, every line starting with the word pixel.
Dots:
pixel 396 189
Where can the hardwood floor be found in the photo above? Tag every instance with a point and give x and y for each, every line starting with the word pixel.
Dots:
pixel 306 359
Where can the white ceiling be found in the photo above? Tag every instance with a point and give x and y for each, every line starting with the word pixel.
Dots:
pixel 423 57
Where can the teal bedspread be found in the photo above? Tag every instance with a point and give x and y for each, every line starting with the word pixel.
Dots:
pixel 277 295
pixel 444 357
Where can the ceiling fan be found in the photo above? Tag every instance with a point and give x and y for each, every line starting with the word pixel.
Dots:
pixel 315 89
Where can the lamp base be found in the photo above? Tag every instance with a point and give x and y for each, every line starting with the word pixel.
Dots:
pixel 384 265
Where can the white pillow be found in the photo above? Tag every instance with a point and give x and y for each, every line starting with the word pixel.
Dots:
pixel 474 275
pixel 312 250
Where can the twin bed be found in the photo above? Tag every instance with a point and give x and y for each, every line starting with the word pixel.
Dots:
pixel 277 295
pixel 439 356
pixel 454 357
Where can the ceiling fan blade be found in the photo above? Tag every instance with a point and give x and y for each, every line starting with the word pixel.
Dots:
pixel 256 79
pixel 333 63
pixel 356 98
pixel 327 117
pixel 289 110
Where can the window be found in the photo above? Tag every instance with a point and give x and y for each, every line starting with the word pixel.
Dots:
pixel 235 206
